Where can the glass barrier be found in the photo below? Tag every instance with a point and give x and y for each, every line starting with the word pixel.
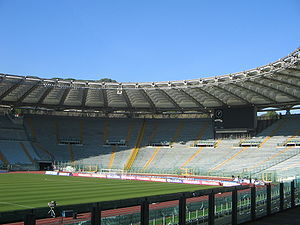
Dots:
pixel 82 219
pixel 297 191
pixel 122 219
pixel 244 206
pixel 128 215
pixel 275 198
pixel 197 210
pixel 261 201
pixel 223 208
pixel 287 195
pixel 164 213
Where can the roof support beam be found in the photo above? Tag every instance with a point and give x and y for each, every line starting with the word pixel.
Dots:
pixel 281 81
pixel 35 86
pixel 44 95
pixel 288 75
pixel 84 95
pixel 170 99
pixel 212 96
pixel 276 90
pixel 64 96
pixel 194 100
pixel 255 92
pixel 151 103
pixel 293 69
pixel 127 100
pixel 234 95
pixel 13 87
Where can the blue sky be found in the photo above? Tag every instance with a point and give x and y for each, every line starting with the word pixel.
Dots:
pixel 151 40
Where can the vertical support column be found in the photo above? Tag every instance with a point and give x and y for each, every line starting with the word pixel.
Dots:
pixel 253 203
pixel 269 199
pixel 96 215
pixel 29 219
pixel 145 213
pixel 211 209
pixel 182 210
pixel 293 194
pixel 281 196
pixel 234 207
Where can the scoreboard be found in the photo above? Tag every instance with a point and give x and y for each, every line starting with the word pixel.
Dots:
pixel 230 118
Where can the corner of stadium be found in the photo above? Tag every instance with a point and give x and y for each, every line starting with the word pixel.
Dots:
pixel 216 150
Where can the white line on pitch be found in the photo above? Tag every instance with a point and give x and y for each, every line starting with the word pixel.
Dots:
pixel 8 203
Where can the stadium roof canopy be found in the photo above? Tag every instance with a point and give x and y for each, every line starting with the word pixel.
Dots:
pixel 274 85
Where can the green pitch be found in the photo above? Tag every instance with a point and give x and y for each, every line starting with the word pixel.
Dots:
pixel 24 191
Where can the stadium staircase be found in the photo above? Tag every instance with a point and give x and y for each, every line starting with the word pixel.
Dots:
pixel 242 158
pixel 26 152
pixel 16 145
pixel 177 132
pixel 228 159
pixel 146 152
pixel 281 156
pixel 135 150
pixel 3 159
pixel 57 132
pixel 105 131
pixel 81 129
pixel 43 153
pixel 192 157
pixel 289 164
pixel 199 150
pixel 199 137
pixel 152 157
pixel 263 124
pixel 129 132
pixel 277 128
pixel 112 157
pixel 47 155
pixel 31 128
pixel 202 132
pixel 272 161
pixel 71 152
pixel 161 152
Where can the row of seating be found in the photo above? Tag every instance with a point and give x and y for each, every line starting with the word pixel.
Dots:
pixel 88 141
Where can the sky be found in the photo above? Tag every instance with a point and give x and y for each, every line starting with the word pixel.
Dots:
pixel 144 40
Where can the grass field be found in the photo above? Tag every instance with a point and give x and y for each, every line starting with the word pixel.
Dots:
pixel 24 191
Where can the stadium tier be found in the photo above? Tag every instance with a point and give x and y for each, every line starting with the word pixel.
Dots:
pixel 148 145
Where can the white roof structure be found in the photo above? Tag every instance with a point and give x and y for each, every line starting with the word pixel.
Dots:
pixel 274 85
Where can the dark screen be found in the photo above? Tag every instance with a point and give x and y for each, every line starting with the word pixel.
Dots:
pixel 238 118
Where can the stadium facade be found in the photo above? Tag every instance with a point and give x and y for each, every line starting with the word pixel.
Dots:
pixel 225 136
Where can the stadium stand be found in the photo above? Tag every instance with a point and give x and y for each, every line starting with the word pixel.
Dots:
pixel 190 145
pixel 15 145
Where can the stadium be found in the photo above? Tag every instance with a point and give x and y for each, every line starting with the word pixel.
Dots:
pixel 202 134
